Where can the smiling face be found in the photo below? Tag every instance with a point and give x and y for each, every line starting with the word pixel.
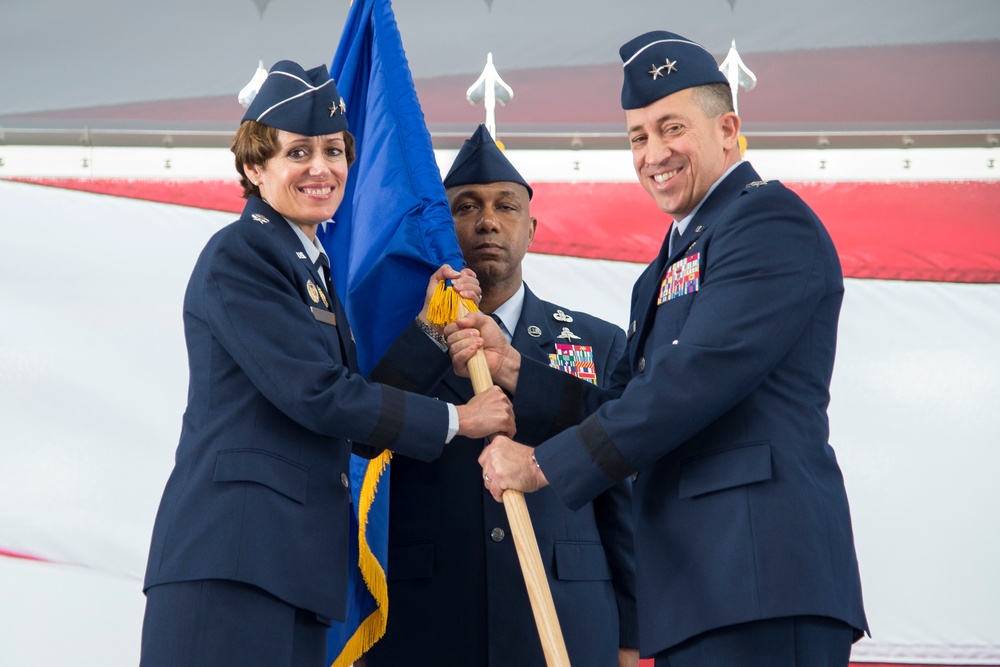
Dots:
pixel 494 230
pixel 679 151
pixel 304 181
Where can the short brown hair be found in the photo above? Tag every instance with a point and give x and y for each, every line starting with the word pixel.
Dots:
pixel 256 143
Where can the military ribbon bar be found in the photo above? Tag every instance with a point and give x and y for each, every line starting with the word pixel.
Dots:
pixel 682 277
pixel 576 360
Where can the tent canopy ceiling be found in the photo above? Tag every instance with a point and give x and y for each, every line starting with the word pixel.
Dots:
pixel 144 73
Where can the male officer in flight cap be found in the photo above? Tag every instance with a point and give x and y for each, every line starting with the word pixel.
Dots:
pixel 744 548
pixel 456 589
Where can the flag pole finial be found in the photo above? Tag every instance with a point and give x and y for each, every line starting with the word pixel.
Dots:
pixel 490 89
pixel 738 74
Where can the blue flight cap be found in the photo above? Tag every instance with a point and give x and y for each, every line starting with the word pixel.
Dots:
pixel 660 63
pixel 298 101
pixel 481 161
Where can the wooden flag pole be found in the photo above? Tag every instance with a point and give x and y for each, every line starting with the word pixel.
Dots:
pixel 542 606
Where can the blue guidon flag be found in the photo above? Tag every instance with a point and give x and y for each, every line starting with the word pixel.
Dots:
pixel 392 231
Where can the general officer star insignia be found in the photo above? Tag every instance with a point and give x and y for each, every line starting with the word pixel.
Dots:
pixel 337 108
pixel 663 70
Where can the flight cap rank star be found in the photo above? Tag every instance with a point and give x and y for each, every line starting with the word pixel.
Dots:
pixel 337 108
pixel 663 70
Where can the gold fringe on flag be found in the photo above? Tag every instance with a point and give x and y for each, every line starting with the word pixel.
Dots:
pixel 373 627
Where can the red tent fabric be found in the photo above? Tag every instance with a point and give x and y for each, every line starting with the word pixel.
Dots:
pixel 889 231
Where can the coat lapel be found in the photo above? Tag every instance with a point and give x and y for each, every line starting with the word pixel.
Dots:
pixel 533 320
pixel 288 238
pixel 648 286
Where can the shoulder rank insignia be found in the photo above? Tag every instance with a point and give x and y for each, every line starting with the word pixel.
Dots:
pixel 577 360
pixel 259 218
pixel 567 334
pixel 681 278
pixel 756 184
pixel 560 316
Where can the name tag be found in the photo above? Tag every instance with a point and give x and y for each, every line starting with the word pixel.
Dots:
pixel 682 277
pixel 324 316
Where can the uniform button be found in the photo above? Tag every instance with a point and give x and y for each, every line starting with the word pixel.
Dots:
pixel 497 534
pixel 343 480
pixel 642 364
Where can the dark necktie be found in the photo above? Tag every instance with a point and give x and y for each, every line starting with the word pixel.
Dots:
pixel 322 264
pixel 346 336
pixel 675 240
pixel 503 329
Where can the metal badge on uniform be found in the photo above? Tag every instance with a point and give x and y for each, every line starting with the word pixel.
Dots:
pixel 259 218
pixel 300 255
pixel 682 278
pixel 324 316
pixel 577 360
pixel 560 316
pixel 567 334
pixel 534 331
pixel 322 296
pixel 756 184
pixel 313 291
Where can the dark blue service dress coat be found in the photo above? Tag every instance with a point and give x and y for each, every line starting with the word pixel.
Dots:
pixel 259 489
pixel 456 592
pixel 740 508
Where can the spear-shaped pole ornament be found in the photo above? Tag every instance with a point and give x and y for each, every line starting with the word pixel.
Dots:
pixel 250 90
pixel 490 89
pixel 738 74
